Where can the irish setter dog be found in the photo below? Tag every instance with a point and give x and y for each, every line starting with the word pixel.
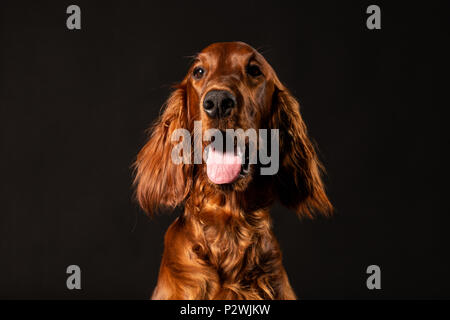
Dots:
pixel 222 246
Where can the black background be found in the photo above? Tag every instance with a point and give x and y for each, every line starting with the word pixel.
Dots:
pixel 74 106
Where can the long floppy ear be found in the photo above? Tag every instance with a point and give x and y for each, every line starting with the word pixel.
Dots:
pixel 298 183
pixel 159 182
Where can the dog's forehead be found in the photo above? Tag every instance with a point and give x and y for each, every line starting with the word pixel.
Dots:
pixel 230 53
pixel 229 48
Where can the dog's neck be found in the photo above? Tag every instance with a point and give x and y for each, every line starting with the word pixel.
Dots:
pixel 224 226
pixel 228 203
pixel 256 196
pixel 230 230
pixel 228 212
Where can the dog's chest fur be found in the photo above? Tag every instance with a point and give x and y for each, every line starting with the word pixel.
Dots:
pixel 240 247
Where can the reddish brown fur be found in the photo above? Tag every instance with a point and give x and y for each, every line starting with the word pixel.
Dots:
pixel 222 246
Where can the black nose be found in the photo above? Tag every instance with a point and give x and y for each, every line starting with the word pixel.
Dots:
pixel 219 103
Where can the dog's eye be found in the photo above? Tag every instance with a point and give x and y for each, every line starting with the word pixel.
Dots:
pixel 198 73
pixel 254 70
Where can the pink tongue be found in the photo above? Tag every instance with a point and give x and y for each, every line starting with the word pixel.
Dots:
pixel 222 167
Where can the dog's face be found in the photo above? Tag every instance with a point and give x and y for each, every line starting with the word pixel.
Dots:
pixel 230 86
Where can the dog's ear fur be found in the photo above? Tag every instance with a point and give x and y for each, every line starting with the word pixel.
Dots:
pixel 158 181
pixel 298 183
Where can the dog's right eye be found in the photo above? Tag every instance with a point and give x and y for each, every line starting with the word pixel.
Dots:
pixel 198 73
pixel 253 70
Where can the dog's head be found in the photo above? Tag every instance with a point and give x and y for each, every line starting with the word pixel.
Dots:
pixel 231 127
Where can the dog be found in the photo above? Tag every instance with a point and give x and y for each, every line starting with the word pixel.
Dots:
pixel 222 245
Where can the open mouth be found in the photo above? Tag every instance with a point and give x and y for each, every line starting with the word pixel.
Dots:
pixel 224 167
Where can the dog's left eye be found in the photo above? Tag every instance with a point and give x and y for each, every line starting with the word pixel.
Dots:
pixel 198 73
pixel 254 70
